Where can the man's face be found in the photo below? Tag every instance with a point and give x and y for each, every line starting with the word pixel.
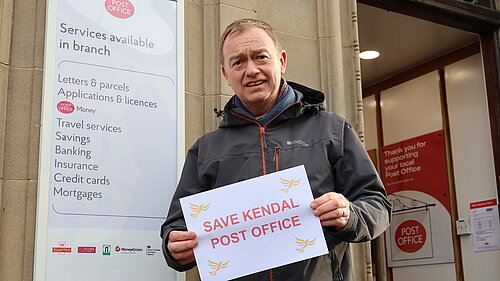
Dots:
pixel 253 68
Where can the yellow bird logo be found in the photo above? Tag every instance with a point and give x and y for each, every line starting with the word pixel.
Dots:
pixel 197 209
pixel 288 184
pixel 304 243
pixel 216 266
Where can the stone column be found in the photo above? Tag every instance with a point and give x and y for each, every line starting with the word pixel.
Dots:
pixel 22 25
pixel 341 80
pixel 340 67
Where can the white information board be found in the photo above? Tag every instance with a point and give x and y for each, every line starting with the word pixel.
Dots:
pixel 111 138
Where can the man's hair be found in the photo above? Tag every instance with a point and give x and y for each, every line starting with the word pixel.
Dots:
pixel 243 25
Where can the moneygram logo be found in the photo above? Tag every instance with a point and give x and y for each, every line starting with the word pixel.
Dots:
pixel 122 9
pixel 128 250
pixel 106 250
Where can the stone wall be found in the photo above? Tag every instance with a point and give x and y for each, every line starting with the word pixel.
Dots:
pixel 319 36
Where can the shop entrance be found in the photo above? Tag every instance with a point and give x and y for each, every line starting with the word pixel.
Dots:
pixel 425 94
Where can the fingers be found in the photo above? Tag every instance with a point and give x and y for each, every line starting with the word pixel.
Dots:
pixel 338 223
pixel 181 236
pixel 333 199
pixel 181 245
pixel 332 209
pixel 330 215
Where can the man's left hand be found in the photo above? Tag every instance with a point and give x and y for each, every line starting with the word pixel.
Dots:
pixel 332 209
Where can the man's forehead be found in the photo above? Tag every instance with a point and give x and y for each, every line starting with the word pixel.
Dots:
pixel 256 41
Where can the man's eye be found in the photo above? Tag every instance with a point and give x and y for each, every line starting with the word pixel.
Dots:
pixel 236 63
pixel 262 57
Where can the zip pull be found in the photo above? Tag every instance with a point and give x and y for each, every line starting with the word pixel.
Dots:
pixel 262 135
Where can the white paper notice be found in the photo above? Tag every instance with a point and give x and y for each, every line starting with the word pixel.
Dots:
pixel 254 225
pixel 485 225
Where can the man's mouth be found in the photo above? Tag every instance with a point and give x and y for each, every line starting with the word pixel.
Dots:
pixel 251 84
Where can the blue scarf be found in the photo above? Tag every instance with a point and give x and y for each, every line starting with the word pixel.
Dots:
pixel 286 98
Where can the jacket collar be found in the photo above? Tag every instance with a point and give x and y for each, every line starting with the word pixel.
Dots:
pixel 308 100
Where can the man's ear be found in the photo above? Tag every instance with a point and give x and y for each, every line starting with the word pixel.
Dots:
pixel 223 70
pixel 283 61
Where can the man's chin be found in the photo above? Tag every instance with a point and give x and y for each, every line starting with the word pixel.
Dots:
pixel 256 98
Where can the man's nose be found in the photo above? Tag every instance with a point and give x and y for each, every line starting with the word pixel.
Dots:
pixel 252 68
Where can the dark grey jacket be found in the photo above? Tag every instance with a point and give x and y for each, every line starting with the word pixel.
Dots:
pixel 334 160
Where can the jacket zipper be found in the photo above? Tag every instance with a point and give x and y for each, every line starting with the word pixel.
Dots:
pixel 263 145
pixel 262 130
pixel 277 158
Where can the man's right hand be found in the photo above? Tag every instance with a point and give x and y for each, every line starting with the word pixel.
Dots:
pixel 181 245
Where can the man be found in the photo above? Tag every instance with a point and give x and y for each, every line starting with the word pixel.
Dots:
pixel 269 125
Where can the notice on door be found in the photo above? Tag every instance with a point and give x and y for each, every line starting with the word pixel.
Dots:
pixel 485 225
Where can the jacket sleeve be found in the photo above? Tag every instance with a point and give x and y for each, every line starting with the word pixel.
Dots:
pixel 357 179
pixel 188 185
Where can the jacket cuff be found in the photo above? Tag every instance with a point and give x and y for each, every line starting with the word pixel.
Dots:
pixel 347 232
pixel 168 256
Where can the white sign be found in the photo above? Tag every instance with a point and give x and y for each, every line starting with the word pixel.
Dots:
pixel 254 225
pixel 112 131
pixel 485 225
pixel 413 237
